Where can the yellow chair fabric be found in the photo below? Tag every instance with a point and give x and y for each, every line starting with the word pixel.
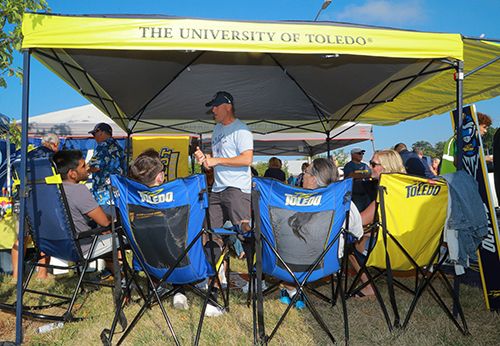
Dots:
pixel 415 213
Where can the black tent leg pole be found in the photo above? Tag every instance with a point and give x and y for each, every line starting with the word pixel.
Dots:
pixel 328 139
pixel 460 103
pixel 127 145
pixel 22 189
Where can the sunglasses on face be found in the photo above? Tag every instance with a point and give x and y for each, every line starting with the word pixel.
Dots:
pixel 374 164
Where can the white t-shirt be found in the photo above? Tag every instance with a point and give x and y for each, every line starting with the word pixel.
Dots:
pixel 230 141
pixel 355 227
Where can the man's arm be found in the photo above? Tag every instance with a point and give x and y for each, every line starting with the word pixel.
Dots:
pixel 243 159
pixel 350 172
pixel 100 217
pixel 358 175
pixel 96 160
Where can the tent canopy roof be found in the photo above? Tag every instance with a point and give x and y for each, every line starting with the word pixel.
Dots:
pixel 155 73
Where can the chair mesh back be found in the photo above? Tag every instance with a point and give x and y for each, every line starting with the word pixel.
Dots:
pixel 162 221
pixel 415 210
pixel 300 224
pixel 47 213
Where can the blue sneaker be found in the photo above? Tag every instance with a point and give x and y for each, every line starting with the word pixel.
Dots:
pixel 104 276
pixel 300 302
pixel 284 297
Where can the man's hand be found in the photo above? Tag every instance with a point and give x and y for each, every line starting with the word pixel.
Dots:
pixel 199 156
pixel 203 159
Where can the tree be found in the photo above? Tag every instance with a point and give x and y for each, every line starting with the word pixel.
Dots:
pixel 426 147
pixel 11 12
pixel 439 149
pixel 487 140
pixel 342 157
pixel 261 167
pixel 14 134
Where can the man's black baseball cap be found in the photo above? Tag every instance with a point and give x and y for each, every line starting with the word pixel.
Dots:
pixel 102 127
pixel 220 98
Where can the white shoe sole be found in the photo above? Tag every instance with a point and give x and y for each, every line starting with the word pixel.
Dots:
pixel 180 302
pixel 245 288
pixel 213 311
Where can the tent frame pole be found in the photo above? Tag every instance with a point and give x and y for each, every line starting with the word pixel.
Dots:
pixel 9 185
pixel 23 193
pixel 459 77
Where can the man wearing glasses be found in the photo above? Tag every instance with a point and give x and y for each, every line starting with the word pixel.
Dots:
pixel 355 168
pixel 108 158
pixel 358 170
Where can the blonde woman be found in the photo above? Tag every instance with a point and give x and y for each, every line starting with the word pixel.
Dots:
pixel 435 166
pixel 383 161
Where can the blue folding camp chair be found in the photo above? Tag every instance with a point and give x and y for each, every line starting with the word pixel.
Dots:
pixel 49 221
pixel 297 235
pixel 164 225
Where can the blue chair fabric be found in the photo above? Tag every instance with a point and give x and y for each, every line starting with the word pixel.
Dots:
pixel 297 234
pixel 164 225
pixel 51 228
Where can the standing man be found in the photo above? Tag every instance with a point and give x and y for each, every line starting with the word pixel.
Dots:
pixel 49 146
pixel 108 158
pixel 355 168
pixel 231 157
pixel 411 161
pixel 358 170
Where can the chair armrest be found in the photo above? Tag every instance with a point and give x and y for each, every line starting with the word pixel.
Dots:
pixel 223 231
pixel 92 232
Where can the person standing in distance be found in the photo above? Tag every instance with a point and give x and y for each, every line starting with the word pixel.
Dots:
pixel 231 157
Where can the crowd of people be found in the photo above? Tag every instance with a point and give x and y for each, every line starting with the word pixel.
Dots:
pixel 228 166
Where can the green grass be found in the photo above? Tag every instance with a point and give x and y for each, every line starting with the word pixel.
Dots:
pixel 367 326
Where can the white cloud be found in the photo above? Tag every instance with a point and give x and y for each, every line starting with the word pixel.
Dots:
pixel 383 12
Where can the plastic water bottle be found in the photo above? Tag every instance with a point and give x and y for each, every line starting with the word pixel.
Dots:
pixel 49 327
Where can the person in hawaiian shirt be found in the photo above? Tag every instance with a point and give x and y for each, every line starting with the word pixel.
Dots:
pixel 108 158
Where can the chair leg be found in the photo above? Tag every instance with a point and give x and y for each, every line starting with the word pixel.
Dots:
pixel 314 312
pixel 344 306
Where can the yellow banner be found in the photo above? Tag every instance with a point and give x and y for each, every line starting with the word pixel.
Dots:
pixel 57 31
pixel 173 150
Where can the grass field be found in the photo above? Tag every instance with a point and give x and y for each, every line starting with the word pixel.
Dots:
pixel 428 325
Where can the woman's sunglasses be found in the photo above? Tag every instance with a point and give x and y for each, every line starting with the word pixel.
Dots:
pixel 374 164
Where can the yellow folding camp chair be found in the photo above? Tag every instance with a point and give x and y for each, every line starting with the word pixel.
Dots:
pixel 411 214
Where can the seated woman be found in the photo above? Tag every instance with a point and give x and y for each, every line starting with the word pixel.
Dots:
pixel 383 161
pixel 320 173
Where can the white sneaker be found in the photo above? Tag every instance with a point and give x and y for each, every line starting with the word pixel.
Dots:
pixel 180 302
pixel 213 311
pixel 202 285
pixel 247 287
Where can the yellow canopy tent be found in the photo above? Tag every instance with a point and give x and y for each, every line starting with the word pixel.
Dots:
pixel 155 73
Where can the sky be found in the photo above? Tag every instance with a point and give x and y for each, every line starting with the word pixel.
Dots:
pixel 48 93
